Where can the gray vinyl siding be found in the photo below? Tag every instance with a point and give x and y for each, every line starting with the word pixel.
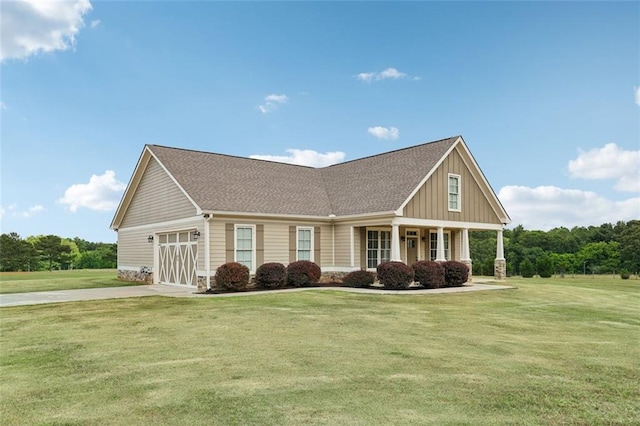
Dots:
pixel 432 199
pixel 157 199
pixel 133 248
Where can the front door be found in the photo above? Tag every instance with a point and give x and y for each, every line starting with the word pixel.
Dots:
pixel 412 250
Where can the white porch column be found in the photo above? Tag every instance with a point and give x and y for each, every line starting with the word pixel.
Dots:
pixel 353 250
pixel 207 252
pixel 440 245
pixel 500 247
pixel 465 255
pixel 395 243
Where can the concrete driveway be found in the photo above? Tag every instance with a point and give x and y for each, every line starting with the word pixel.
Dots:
pixel 36 298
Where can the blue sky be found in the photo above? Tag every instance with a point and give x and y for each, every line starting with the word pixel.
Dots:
pixel 545 95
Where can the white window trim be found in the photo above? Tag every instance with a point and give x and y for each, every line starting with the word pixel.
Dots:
pixel 375 228
pixel 459 178
pixel 446 249
pixel 253 245
pixel 305 228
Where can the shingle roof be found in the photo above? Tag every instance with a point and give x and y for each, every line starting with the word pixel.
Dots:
pixel 380 183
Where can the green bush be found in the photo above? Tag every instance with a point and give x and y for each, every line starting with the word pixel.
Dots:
pixel 232 276
pixel 361 279
pixel 303 273
pixel 395 275
pixel 455 273
pixel 544 265
pixel 624 274
pixel 526 269
pixel 271 275
pixel 428 273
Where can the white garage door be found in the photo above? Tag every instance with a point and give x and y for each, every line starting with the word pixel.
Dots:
pixel 178 258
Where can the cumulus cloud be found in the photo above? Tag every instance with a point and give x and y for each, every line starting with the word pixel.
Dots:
pixel 380 132
pixel 33 26
pixel 636 93
pixel 305 157
pixel 389 73
pixel 102 193
pixel 272 102
pixel 95 23
pixel 31 211
pixel 547 207
pixel 609 162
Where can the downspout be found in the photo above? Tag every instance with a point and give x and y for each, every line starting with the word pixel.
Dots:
pixel 207 249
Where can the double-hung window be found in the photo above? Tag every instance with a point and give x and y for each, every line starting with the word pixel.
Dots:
pixel 433 245
pixel 378 247
pixel 454 193
pixel 305 244
pixel 245 249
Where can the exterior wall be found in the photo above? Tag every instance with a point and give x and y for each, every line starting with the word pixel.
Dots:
pixel 276 242
pixel 133 249
pixel 157 199
pixel 326 245
pixel 431 200
pixel 343 245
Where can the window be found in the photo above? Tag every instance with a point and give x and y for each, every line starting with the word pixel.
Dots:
pixel 245 245
pixel 378 247
pixel 433 246
pixel 305 244
pixel 454 193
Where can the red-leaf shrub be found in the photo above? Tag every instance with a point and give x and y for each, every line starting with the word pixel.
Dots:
pixel 232 276
pixel 455 273
pixel 362 279
pixel 429 274
pixel 303 273
pixel 271 275
pixel 395 275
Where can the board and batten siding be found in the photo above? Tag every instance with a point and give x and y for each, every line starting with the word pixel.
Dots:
pixel 157 199
pixel 432 199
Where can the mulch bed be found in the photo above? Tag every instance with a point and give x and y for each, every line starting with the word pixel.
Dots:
pixel 322 285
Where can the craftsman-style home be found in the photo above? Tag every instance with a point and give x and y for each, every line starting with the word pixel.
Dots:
pixel 184 212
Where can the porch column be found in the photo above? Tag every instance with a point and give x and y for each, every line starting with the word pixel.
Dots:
pixel 395 243
pixel 207 253
pixel 440 245
pixel 500 264
pixel 465 255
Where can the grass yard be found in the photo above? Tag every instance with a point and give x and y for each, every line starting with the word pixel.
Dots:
pixel 553 351
pixel 24 282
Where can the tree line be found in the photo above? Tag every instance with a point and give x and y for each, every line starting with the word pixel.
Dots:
pixel 49 252
pixel 604 249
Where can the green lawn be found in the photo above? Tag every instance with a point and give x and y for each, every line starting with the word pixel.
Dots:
pixel 554 351
pixel 23 282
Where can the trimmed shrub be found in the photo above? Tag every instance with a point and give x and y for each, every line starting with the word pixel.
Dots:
pixel 362 279
pixel 395 275
pixel 303 273
pixel 428 273
pixel 544 265
pixel 624 274
pixel 232 276
pixel 271 275
pixel 455 273
pixel 526 269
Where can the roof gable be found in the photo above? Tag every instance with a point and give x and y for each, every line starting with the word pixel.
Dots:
pixel 382 183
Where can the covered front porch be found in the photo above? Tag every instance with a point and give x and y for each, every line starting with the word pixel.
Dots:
pixel 411 240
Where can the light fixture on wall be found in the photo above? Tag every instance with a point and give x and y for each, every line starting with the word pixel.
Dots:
pixel 403 238
pixel 150 239
pixel 423 239
pixel 196 235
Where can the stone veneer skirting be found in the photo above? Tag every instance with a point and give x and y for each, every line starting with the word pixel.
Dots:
pixel 500 269
pixel 135 276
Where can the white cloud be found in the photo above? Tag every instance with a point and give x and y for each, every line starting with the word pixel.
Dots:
pixel 547 207
pixel 3 106
pixel 305 157
pixel 384 132
pixel 33 26
pixel 609 162
pixel 26 214
pixel 636 93
pixel 95 23
pixel 272 102
pixel 389 73
pixel 101 193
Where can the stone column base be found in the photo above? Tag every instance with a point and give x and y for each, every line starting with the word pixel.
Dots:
pixel 500 269
pixel 469 265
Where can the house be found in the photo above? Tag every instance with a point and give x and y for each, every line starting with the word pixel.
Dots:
pixel 184 212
